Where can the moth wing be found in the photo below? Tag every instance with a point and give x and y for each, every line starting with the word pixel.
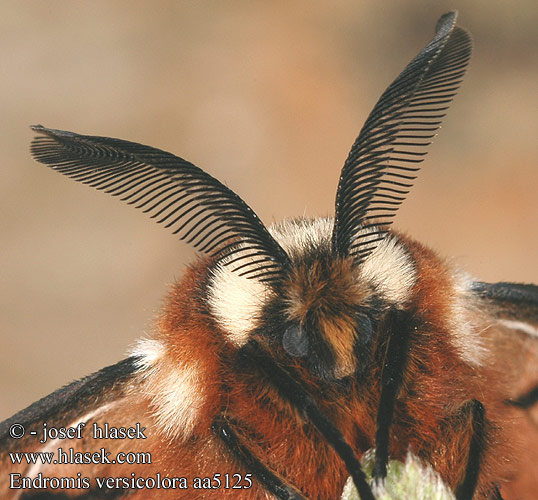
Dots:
pixel 512 310
pixel 101 396
pixel 513 307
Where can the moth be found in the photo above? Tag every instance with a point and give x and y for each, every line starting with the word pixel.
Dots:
pixel 286 352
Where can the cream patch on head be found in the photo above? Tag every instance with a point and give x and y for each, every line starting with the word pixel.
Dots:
pixel 465 320
pixel 294 235
pixel 176 389
pixel 236 302
pixel 390 269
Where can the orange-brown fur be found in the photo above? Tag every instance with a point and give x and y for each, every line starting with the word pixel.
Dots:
pixel 441 383
pixel 436 385
pixel 427 419
pixel 314 289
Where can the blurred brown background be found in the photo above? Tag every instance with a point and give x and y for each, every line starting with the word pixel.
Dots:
pixel 266 96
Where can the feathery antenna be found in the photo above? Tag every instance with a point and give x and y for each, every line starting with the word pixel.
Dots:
pixel 178 194
pixel 383 160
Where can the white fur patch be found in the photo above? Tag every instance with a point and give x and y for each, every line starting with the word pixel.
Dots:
pixel 176 389
pixel 236 302
pixel 293 235
pixel 466 324
pixel 148 351
pixel 178 399
pixel 390 269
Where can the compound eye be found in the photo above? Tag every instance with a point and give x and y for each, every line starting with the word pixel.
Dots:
pixel 295 341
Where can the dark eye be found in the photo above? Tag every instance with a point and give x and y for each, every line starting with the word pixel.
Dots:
pixel 295 341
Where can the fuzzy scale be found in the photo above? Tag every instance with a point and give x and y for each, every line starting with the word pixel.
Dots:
pixel 438 371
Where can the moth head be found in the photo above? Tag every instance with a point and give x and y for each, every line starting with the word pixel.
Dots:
pixel 310 290
pixel 323 310
pixel 341 273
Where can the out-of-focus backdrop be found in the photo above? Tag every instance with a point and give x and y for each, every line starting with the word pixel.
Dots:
pixel 266 96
